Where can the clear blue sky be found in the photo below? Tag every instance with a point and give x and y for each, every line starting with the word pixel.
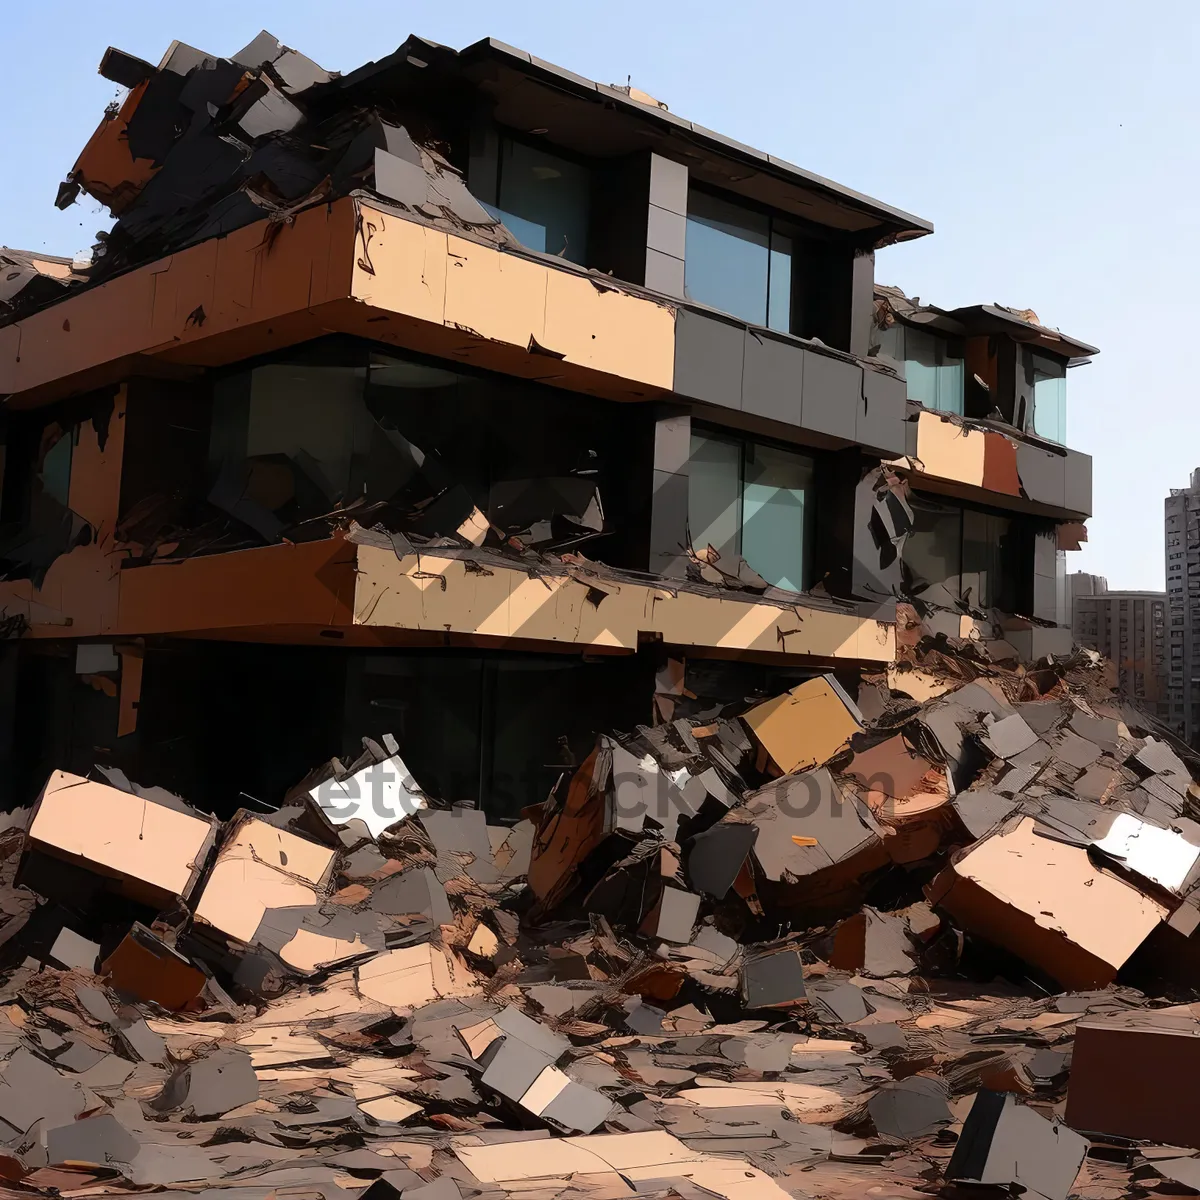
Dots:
pixel 1054 146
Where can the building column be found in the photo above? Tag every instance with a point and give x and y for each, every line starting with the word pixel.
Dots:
pixel 669 507
pixel 666 226
pixel 862 302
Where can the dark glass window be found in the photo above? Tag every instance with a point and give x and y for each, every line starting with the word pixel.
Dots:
pixel 739 260
pixel 755 500
pixel 426 450
pixel 973 553
pixel 1050 399
pixel 544 200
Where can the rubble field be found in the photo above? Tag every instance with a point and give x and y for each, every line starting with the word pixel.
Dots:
pixel 939 936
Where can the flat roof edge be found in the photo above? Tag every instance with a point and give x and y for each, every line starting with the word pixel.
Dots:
pixel 905 222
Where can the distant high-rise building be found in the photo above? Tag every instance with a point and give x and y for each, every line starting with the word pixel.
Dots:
pixel 1079 583
pixel 1130 629
pixel 1182 513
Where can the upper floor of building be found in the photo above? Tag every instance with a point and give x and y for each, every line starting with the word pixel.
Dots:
pixel 321 289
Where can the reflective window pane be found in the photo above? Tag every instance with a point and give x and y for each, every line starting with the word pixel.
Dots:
pixel 779 298
pixel 951 385
pixel 935 377
pixel 726 257
pixel 544 200
pixel 777 515
pixel 1050 400
pixel 715 495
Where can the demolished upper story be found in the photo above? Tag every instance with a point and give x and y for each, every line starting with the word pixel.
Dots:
pixel 460 346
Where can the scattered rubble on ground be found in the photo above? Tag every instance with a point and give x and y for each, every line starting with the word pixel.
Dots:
pixel 953 946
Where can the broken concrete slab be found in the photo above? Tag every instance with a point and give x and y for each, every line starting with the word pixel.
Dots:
pixel 32 1090
pixel 99 1140
pixel 143 849
pixel 713 858
pixel 1007 737
pixel 215 1085
pixel 910 1108
pixel 774 979
pixel 812 831
pixel 1045 901
pixel 145 967
pixel 72 950
pixel 673 917
pixel 1006 1144
pixel 873 943
pixel 257 868
pixel 807 726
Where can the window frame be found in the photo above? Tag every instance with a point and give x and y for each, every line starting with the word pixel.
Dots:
pixel 506 134
pixel 742 441
pixel 798 233
pixel 1021 588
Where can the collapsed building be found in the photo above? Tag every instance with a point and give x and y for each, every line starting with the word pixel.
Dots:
pixel 527 672
pixel 458 397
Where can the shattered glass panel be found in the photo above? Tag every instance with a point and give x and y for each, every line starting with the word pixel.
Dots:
pixel 544 200
pixel 290 439
pixel 715 495
pixel 777 515
pixel 1049 401
pixel 984 542
pixel 933 548
pixel 727 263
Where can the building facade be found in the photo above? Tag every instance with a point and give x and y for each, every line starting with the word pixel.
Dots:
pixel 1130 628
pixel 465 400
pixel 1182 547
pixel 1079 583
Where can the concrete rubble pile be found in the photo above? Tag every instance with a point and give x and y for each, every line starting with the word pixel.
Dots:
pixel 807 945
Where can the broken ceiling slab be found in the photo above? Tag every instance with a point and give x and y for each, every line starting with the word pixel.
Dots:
pixel 1006 1144
pixel 145 850
pixel 807 726
pixel 258 868
pixel 1045 901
